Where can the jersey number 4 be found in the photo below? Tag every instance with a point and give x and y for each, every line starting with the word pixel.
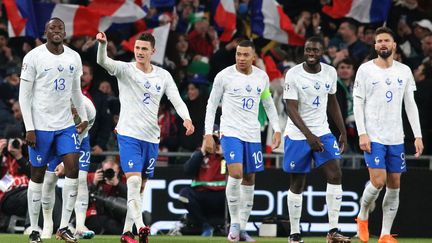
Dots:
pixel 316 101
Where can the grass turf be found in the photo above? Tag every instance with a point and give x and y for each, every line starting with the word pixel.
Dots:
pixel 18 238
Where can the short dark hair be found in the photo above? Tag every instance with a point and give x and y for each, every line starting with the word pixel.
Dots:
pixel 347 61
pixel 385 30
pixel 54 18
pixel 351 24
pixel 147 37
pixel 316 39
pixel 246 43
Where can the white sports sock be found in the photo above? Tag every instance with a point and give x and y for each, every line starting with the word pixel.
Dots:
pixel 333 200
pixel 370 194
pixel 34 194
pixel 246 204
pixel 233 198
pixel 390 207
pixel 48 199
pixel 295 202
pixel 134 200
pixel 81 203
pixel 69 195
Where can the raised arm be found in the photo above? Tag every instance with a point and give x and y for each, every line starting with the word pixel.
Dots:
pixel 102 56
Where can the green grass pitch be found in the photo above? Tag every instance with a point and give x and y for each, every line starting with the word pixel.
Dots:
pixel 18 238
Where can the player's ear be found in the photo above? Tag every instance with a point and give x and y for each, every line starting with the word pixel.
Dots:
pixel 153 51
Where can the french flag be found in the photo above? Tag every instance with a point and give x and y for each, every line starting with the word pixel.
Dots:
pixel 225 18
pixel 269 21
pixel 364 11
pixel 28 18
pixel 161 37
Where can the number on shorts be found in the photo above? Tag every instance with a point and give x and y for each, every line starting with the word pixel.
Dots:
pixel 81 158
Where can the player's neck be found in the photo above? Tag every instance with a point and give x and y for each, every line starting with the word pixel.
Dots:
pixel 316 68
pixel 245 71
pixel 55 49
pixel 384 62
pixel 145 67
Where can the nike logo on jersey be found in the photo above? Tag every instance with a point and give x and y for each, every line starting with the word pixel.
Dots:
pixel 47 69
pixel 36 200
pixel 235 90
pixel 296 206
pixel 339 198
pixel 373 83
pixel 304 87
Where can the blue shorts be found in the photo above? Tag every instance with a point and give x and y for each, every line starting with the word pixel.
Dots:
pixel 137 155
pixel 84 159
pixel 52 144
pixel 298 154
pixel 238 151
pixel 388 157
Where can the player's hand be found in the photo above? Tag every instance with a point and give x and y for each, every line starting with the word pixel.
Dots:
pixel 276 140
pixel 189 127
pixel 418 144
pixel 315 143
pixel 365 143
pixel 209 144
pixel 59 170
pixel 101 37
pixel 31 138
pixel 342 142
pixel 81 127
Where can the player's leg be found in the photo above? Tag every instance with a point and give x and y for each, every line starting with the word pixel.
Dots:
pixel 297 162
pixel 48 198
pixel 395 167
pixel 39 156
pixel 233 153
pixel 67 145
pixel 81 203
pixel 375 161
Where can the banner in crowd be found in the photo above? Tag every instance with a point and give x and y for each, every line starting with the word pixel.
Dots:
pixel 364 11
pixel 413 218
pixel 28 17
pixel 269 21
pixel 225 18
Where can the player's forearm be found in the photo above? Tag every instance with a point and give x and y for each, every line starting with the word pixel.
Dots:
pixel 25 98
pixel 78 102
pixel 359 115
pixel 212 104
pixel 103 59
pixel 296 118
pixel 335 113
pixel 412 113
pixel 272 115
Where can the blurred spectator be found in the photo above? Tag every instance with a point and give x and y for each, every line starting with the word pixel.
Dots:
pixel 410 37
pixel 196 103
pixel 222 58
pixel 108 192
pixel 178 56
pixel 9 89
pixel 6 55
pixel 203 38
pixel 427 48
pixel 102 126
pixel 168 127
pixel 205 198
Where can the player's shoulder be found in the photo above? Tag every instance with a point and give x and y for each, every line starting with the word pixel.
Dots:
pixel 70 51
pixel 327 68
pixel 230 70
pixel 296 69
pixel 400 66
pixel 37 51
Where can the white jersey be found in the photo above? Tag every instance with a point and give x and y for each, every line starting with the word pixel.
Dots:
pixel 311 90
pixel 91 116
pixel 140 94
pixel 241 95
pixel 54 77
pixel 383 91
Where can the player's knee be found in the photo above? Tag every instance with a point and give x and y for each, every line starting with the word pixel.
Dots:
pixel 71 172
pixel 236 174
pixel 335 177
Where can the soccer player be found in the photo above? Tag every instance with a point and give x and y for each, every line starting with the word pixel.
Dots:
pixel 241 87
pixel 141 86
pixel 309 91
pixel 50 78
pixel 55 168
pixel 381 85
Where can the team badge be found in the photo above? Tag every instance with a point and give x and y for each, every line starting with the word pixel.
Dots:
pixel 232 155
pixel 400 81
pixel 147 84
pixel 158 88
pixel 317 86
pixel 388 81
pixel 292 165
pixel 71 68
pixel 258 90
pixel 248 88
pixel 327 87
pixel 60 68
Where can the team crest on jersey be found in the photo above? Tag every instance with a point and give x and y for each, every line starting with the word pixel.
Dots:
pixel 248 88
pixel 71 68
pixel 400 81
pixel 258 90
pixel 388 81
pixel 147 84
pixel 317 86
pixel 60 68
pixel 327 87
pixel 158 88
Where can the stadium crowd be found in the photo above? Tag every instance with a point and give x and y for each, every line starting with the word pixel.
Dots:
pixel 194 55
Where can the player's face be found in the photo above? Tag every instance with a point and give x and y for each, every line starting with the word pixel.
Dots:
pixel 384 45
pixel 143 51
pixel 244 57
pixel 55 31
pixel 313 52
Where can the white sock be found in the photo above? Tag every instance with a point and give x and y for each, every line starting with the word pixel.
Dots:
pixel 69 196
pixel 81 203
pixel 333 200
pixel 246 204
pixel 295 202
pixel 48 199
pixel 233 198
pixel 34 194
pixel 390 207
pixel 370 194
pixel 134 200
